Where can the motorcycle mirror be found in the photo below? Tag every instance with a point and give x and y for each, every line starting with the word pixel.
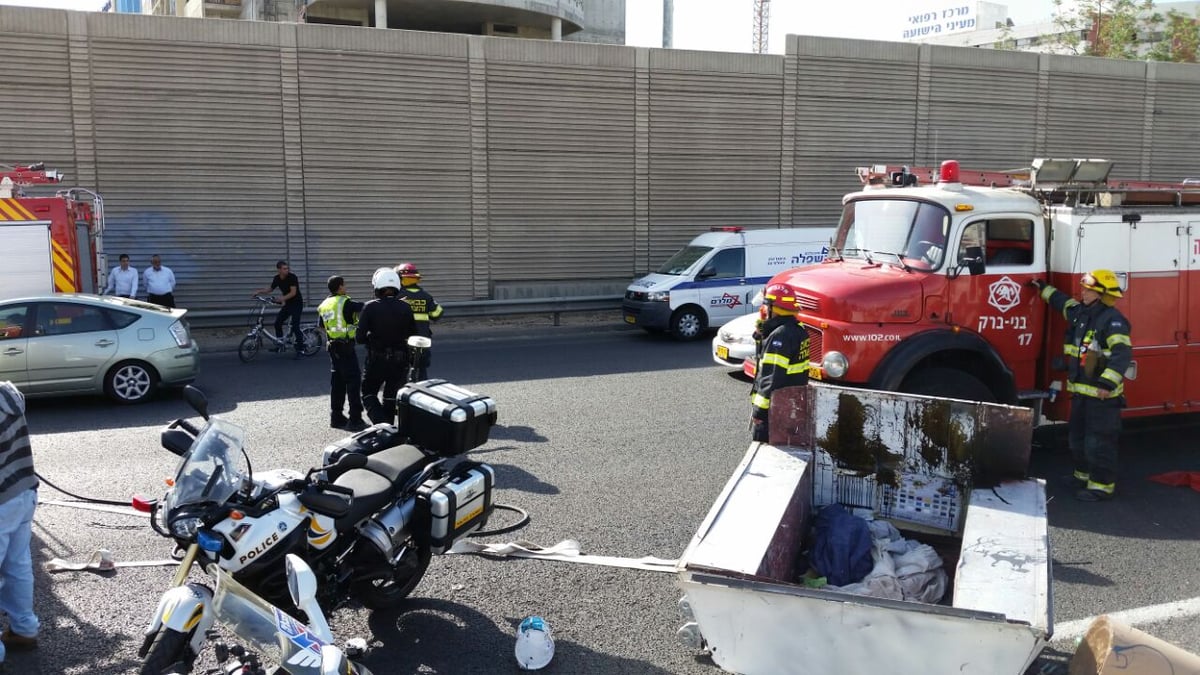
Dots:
pixel 197 400
pixel 177 441
pixel 302 583
pixel 420 342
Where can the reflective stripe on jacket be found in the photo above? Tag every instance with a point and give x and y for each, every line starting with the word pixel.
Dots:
pixel 1096 344
pixel 333 316
pixel 783 362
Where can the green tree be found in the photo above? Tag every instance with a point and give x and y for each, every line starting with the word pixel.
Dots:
pixel 1180 38
pixel 1108 28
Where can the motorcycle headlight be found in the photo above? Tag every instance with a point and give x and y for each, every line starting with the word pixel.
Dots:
pixel 835 364
pixel 185 527
pixel 659 296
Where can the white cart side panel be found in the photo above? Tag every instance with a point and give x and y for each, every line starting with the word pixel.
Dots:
pixel 1005 561
pixel 753 631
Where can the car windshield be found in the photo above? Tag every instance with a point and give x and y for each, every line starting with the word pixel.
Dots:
pixel 897 231
pixel 211 471
pixel 684 260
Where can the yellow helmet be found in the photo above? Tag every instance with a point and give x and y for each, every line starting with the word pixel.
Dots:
pixel 1103 282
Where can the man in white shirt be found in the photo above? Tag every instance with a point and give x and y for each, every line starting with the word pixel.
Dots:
pixel 160 283
pixel 123 280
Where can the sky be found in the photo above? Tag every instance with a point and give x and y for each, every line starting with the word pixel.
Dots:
pixel 727 25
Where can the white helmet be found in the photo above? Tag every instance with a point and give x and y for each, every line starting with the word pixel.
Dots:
pixel 535 646
pixel 385 277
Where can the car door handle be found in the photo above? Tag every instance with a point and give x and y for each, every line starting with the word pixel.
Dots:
pixel 104 343
pixel 13 351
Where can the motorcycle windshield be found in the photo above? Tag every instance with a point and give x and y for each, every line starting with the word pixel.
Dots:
pixel 211 471
pixel 274 634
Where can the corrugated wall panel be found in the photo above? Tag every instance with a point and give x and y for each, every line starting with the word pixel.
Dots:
pixel 715 143
pixel 979 107
pixel 560 165
pixel 856 104
pixel 189 159
pixel 1175 146
pixel 1096 111
pixel 35 97
pixel 387 167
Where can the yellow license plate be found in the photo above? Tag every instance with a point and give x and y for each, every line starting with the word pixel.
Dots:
pixel 722 352
pixel 630 319
pixel 814 372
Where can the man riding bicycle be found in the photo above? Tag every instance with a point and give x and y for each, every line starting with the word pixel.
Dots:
pixel 293 304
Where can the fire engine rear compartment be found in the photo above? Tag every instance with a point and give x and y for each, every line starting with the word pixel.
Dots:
pixel 739 572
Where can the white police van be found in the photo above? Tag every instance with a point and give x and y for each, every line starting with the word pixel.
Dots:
pixel 714 278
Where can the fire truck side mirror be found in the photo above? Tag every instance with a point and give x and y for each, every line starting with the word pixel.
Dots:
pixel 974 260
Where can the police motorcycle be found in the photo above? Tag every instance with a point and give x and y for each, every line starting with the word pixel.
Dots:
pixel 367 521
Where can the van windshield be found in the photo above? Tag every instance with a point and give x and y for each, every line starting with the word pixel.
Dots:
pixel 903 231
pixel 683 261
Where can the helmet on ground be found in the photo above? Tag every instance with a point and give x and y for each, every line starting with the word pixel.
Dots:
pixel 408 273
pixel 1104 282
pixel 535 646
pixel 781 298
pixel 385 277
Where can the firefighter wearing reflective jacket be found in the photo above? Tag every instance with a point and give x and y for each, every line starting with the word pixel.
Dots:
pixel 782 355
pixel 425 310
pixel 1097 351
pixel 384 327
pixel 339 315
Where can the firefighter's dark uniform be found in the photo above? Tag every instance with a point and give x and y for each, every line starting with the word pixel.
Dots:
pixel 782 362
pixel 339 314
pixel 384 326
pixel 425 310
pixel 1097 350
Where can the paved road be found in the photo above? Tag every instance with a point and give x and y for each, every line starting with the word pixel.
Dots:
pixel 619 440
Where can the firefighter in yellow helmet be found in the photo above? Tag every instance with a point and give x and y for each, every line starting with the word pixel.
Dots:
pixel 425 309
pixel 782 355
pixel 1097 350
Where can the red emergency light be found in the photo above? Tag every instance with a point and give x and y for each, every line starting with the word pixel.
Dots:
pixel 949 172
pixel 726 228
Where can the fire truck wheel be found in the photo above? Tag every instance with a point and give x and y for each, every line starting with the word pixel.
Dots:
pixel 130 382
pixel 687 323
pixel 947 383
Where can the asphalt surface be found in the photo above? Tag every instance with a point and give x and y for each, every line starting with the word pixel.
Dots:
pixel 614 438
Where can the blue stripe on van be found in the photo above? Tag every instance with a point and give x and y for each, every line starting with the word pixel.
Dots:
pixel 717 283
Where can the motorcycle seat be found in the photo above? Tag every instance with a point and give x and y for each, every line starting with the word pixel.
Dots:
pixel 397 464
pixel 371 493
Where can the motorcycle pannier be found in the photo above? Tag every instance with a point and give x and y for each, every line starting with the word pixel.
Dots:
pixel 368 442
pixel 458 503
pixel 445 418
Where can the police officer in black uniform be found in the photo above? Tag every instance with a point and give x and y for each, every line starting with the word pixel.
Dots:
pixel 339 315
pixel 425 310
pixel 384 326
pixel 782 355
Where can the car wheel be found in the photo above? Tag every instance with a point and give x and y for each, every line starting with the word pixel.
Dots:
pixel 130 382
pixel 687 323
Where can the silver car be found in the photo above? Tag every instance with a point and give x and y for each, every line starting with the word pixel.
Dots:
pixel 79 344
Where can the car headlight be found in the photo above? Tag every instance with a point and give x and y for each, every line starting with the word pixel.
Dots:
pixel 732 338
pixel 180 333
pixel 659 296
pixel 835 364
pixel 185 528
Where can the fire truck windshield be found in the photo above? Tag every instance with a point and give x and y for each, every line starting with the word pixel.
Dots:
pixel 913 232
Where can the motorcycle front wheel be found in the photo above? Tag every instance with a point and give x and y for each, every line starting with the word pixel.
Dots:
pixel 170 653
pixel 389 592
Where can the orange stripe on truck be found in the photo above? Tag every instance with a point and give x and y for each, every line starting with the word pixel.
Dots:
pixel 28 215
pixel 7 212
pixel 64 269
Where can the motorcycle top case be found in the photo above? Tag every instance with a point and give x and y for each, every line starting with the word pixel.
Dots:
pixel 457 504
pixel 368 442
pixel 445 418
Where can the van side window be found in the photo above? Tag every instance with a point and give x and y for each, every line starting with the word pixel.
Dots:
pixel 728 264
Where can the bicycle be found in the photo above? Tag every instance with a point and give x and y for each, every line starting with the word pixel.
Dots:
pixel 313 339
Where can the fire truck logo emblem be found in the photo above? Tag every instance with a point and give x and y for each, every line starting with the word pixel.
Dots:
pixel 1004 294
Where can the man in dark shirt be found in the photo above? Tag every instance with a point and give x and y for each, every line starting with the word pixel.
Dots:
pixel 384 326
pixel 293 304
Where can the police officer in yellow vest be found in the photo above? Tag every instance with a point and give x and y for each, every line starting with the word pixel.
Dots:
pixel 1097 350
pixel 339 314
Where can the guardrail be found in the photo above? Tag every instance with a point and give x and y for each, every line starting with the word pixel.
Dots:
pixel 224 318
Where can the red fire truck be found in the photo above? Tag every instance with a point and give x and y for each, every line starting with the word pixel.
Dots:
pixel 924 290
pixel 51 244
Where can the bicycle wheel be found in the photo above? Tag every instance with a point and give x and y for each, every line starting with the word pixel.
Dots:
pixel 250 347
pixel 313 340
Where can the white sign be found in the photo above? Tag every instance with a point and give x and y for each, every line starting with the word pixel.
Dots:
pixel 939 19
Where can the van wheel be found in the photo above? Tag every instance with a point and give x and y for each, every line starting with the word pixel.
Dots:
pixel 947 383
pixel 687 323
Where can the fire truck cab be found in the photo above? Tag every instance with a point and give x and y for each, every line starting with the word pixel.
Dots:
pixel 51 243
pixel 926 287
